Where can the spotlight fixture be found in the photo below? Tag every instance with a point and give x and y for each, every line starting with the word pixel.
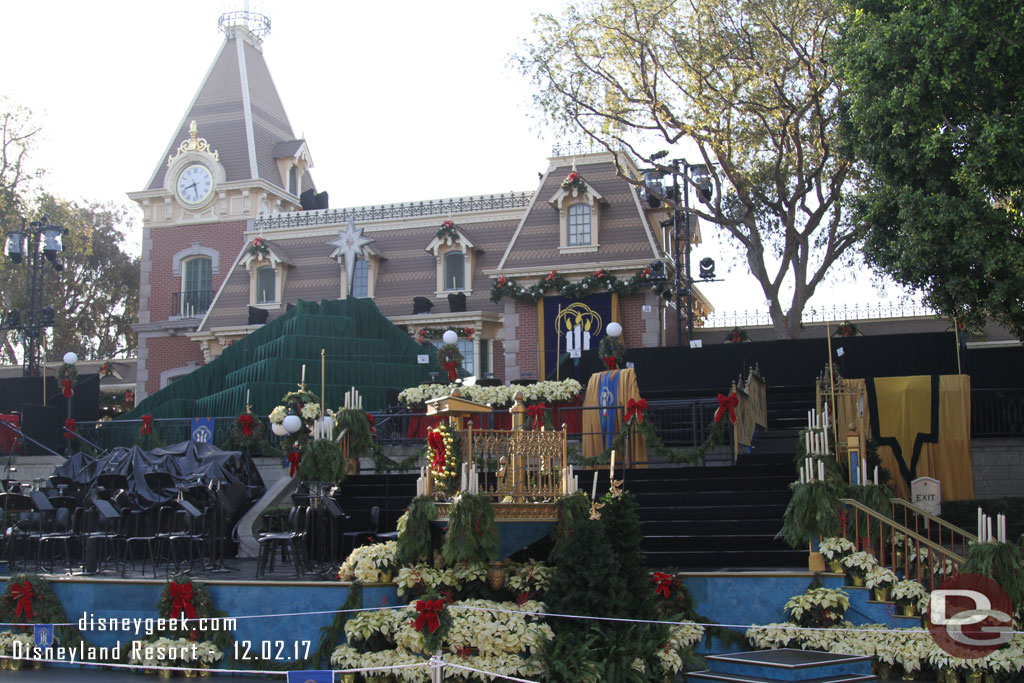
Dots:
pixel 707 268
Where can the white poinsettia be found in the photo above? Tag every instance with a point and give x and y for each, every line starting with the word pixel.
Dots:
pixel 908 591
pixel 278 414
pixel 310 411
pixel 880 577
pixel 859 561
pixel 833 599
pixel 370 563
pixel 836 547
pixel 548 392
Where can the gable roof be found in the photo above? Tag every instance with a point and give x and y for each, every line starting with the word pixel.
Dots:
pixel 238 111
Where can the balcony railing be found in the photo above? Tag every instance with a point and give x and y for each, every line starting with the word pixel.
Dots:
pixel 834 314
pixel 997 412
pixel 191 304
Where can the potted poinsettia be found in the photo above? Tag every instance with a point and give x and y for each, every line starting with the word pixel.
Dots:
pixel 880 580
pixel 835 549
pixel 909 596
pixel 857 565
pixel 818 607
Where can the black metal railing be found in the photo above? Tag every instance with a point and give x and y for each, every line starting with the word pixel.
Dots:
pixel 191 304
pixel 388 212
pixel 997 412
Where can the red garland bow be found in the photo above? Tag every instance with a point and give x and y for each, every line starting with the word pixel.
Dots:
pixel 373 423
pixel 635 408
pixel 22 593
pixel 68 391
pixel 69 424
pixel 293 459
pixel 450 366
pixel 436 443
pixel 662 583
pixel 181 594
pixel 610 363
pixel 147 424
pixel 245 422
pixel 537 413
pixel 129 397
pixel 727 403
pixel 428 610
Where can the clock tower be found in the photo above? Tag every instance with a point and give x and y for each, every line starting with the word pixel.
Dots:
pixel 233 158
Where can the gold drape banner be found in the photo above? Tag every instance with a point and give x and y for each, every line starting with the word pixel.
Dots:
pixel 922 424
pixel 610 390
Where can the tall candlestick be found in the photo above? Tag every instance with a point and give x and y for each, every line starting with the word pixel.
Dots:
pixel 979 524
pixel 988 528
pixel 303 373
pixel 593 492
pixel 611 469
pixel 821 470
pixel 876 475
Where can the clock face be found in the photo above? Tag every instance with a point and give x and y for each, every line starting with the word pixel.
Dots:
pixel 195 184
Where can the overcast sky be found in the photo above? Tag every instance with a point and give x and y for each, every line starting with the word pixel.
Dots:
pixel 398 101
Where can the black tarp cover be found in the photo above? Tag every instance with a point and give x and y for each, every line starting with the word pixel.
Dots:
pixel 187 463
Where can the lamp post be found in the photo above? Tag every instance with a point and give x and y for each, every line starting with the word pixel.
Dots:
pixel 35 244
pixel 70 358
pixel 700 177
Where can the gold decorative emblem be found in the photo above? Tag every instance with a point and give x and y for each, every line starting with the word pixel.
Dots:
pixel 194 143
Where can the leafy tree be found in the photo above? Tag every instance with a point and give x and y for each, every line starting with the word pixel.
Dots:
pixel 95 297
pixel 751 83
pixel 936 95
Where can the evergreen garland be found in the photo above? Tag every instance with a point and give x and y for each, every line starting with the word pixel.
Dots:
pixel 360 437
pixel 1002 563
pixel 509 288
pixel 414 541
pixel 472 534
pixel 151 440
pixel 572 509
pixel 202 601
pixel 811 512
pixel 323 461
pixel 717 435
pixel 46 609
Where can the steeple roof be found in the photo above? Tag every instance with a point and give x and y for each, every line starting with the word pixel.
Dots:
pixel 238 111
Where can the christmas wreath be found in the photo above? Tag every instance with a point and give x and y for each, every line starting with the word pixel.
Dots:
pixel 249 434
pixel 148 437
pixel 425 334
pixel 846 329
pixel 449 358
pixel 444 445
pixel 182 598
pixel 29 599
pixel 433 621
pixel 574 180
pixel 447 230
pixel 737 335
pixel 259 248
pixel 611 349
pixel 67 375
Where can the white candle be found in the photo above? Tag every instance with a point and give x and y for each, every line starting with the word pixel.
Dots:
pixel 575 483
pixel 593 493
pixel 810 414
pixel 876 475
pixel 803 479
pixel 1002 528
pixel 246 399
pixel 988 528
pixel 979 524
pixel 462 478
pixel 824 432
pixel 821 470
pixel 611 469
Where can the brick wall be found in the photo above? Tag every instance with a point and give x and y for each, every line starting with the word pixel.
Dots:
pixel 632 319
pixel 998 467
pixel 225 238
pixel 169 353
pixel 499 359
pixel 528 356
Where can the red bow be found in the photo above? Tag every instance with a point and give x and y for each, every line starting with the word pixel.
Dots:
pixel 428 610
pixel 68 392
pixel 245 422
pixel 69 425
pixel 450 367
pixel 537 413
pixel 635 408
pixel 293 458
pixel 610 363
pixel 22 593
pixel 373 422
pixel 129 397
pixel 436 443
pixel 181 594
pixel 662 583
pixel 147 424
pixel 727 403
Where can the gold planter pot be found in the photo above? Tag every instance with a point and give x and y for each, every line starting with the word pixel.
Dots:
pixel 882 593
pixel 909 610
pixel 496 575
pixel 165 673
pixel 835 566
pixel 858 580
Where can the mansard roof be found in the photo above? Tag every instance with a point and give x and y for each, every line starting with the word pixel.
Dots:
pixel 238 111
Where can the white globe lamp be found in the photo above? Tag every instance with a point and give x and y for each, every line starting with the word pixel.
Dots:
pixel 70 357
pixel 292 423
pixel 278 428
pixel 450 337
pixel 614 330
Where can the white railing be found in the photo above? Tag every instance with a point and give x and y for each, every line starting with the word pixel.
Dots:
pixel 821 314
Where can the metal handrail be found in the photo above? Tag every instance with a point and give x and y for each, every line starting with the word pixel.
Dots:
pixel 941 524
pixel 949 563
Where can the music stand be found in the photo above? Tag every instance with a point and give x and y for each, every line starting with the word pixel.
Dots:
pixel 14 502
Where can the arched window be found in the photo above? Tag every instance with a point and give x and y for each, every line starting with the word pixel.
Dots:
pixel 266 285
pixel 361 278
pixel 454 271
pixel 579 225
pixel 196 286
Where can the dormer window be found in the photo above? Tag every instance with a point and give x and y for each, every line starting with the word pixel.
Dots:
pixel 268 268
pixel 361 278
pixel 293 180
pixel 266 285
pixel 579 225
pixel 579 215
pixel 455 258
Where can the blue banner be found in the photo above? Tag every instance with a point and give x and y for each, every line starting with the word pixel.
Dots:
pixel 43 635
pixel 202 429
pixel 608 399
pixel 310 677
